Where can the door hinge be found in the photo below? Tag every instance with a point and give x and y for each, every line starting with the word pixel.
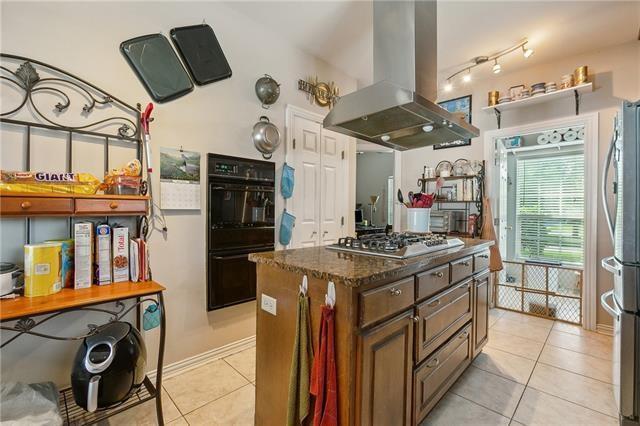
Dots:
pixel 294 143
pixel 342 221
pixel 343 155
pixel 496 221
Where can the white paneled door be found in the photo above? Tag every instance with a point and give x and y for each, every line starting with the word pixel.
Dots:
pixel 320 199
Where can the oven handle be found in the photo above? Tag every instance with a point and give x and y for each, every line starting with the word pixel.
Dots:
pixel 613 311
pixel 609 264
pixel 242 188
pixel 245 253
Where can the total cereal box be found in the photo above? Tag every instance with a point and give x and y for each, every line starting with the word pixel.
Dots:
pixel 120 254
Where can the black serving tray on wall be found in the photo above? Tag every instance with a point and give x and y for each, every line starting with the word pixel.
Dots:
pixel 157 66
pixel 199 49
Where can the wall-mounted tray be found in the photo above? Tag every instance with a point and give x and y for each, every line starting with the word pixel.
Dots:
pixel 200 51
pixel 157 66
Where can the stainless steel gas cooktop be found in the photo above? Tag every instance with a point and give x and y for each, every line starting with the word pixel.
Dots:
pixel 396 246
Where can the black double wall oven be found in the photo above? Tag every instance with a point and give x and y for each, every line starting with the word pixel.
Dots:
pixel 240 220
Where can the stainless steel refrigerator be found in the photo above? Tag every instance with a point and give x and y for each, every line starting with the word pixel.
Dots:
pixel 623 219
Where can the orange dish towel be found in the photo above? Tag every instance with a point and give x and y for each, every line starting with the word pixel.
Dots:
pixel 324 382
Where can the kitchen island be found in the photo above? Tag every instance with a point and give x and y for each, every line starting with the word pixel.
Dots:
pixel 404 329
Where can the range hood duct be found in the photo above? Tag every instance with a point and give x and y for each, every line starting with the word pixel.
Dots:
pixel 398 111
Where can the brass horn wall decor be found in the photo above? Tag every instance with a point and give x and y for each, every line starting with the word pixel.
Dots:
pixel 322 94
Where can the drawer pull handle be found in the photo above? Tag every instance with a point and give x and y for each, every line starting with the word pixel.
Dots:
pixel 434 303
pixel 438 274
pixel 466 263
pixel 25 205
pixel 416 318
pixel 395 291
pixel 484 256
pixel 113 205
pixel 433 363
pixel 463 335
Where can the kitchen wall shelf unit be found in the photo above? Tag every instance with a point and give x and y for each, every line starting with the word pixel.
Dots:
pixel 574 91
pixel 427 185
pixel 42 204
pixel 116 121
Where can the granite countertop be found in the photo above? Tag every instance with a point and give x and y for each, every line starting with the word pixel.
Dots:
pixel 354 270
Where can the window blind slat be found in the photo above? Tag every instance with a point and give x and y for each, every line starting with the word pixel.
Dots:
pixel 550 208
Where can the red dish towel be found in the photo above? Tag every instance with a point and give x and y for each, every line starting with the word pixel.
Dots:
pixel 324 383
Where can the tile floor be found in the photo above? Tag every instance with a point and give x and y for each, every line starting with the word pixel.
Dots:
pixel 533 371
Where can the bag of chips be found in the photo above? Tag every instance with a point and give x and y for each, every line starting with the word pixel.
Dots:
pixel 48 182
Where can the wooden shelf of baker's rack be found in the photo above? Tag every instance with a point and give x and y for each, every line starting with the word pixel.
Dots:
pixel 69 298
pixel 27 204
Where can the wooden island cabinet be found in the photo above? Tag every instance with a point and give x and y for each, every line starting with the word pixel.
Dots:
pixel 405 329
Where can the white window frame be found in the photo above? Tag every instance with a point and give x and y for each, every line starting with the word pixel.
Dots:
pixel 590 123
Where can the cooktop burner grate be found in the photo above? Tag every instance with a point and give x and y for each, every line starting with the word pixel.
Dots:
pixel 396 245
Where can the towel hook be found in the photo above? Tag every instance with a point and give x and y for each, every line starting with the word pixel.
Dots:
pixel 330 297
pixel 304 286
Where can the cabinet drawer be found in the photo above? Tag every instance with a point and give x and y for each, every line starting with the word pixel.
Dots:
pixel 440 317
pixel 92 206
pixel 461 269
pixel 432 281
pixel 480 261
pixel 433 378
pixel 26 206
pixel 387 300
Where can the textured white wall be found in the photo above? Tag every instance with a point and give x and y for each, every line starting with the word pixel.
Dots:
pixel 616 76
pixel 83 38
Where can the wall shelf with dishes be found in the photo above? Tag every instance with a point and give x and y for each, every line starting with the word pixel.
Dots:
pixel 572 85
pixel 459 189
pixel 52 286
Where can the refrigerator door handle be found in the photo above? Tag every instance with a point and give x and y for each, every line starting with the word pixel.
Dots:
pixel 605 173
pixel 606 306
pixel 609 264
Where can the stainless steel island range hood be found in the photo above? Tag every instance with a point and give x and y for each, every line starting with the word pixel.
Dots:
pixel 398 110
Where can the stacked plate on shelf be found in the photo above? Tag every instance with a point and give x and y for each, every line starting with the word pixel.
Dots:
pixel 504 99
pixel 537 89
pixel 550 87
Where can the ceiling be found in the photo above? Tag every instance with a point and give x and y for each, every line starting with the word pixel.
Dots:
pixel 340 32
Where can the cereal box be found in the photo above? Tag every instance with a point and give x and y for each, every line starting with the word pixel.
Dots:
pixel 83 256
pixel 120 254
pixel 103 254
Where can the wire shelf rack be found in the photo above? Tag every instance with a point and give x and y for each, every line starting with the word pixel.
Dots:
pixel 74 415
pixel 540 289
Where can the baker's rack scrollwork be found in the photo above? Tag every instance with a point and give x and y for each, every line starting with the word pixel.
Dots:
pixel 27 325
pixel 25 77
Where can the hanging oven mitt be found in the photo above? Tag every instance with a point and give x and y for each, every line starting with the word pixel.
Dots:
pixel 286 227
pixel 151 317
pixel 286 184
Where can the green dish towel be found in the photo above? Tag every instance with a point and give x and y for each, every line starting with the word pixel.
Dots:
pixel 298 402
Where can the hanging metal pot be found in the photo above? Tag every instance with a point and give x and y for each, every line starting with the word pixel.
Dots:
pixel 267 90
pixel 266 137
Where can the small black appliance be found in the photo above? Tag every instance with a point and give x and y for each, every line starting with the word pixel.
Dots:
pixel 109 366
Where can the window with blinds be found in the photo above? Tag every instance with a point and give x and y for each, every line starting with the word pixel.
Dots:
pixel 550 208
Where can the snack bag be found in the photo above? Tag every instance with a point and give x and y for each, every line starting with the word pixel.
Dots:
pixel 48 182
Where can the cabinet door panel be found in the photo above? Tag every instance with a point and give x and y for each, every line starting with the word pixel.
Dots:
pixel 384 388
pixel 481 312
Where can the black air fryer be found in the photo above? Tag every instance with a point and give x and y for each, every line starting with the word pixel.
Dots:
pixel 109 366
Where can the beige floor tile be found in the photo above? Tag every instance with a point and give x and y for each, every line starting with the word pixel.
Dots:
pixel 494 315
pixel 573 387
pixel 539 408
pixel 489 390
pixel 587 365
pixel 199 386
pixel 455 410
pixel 245 363
pixel 582 344
pixel 234 409
pixel 180 421
pixel 528 319
pixel 579 331
pixel 522 329
pixel 514 344
pixel 514 423
pixel 145 414
pixel 504 364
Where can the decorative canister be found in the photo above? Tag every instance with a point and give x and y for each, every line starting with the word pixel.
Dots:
pixel 494 95
pixel 566 81
pixel 581 75
pixel 418 220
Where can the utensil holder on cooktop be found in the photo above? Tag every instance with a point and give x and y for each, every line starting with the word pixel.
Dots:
pixel 418 219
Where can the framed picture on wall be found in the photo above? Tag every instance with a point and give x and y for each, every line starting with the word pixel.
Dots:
pixel 461 104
